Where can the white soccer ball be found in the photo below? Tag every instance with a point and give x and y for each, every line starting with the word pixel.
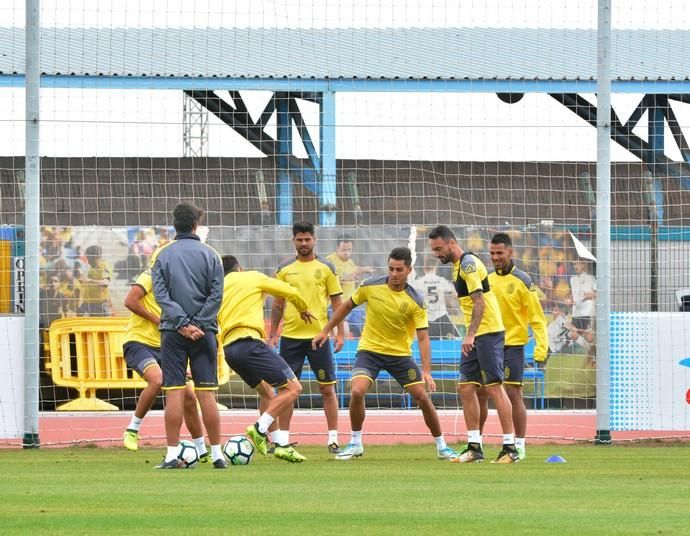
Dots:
pixel 238 450
pixel 187 454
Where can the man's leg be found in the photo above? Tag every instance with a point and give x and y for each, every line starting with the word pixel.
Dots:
pixel 174 404
pixel 193 422
pixel 210 415
pixel 514 393
pixel 358 392
pixel 483 398
pixel 421 397
pixel 422 400
pixel 292 351
pixel 153 375
pixel 503 407
pixel 330 409
pixel 173 355
pixel 470 404
pixel 144 360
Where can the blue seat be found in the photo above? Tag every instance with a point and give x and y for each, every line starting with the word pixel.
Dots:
pixel 445 363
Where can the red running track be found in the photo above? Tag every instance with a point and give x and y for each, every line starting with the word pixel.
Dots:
pixel 381 427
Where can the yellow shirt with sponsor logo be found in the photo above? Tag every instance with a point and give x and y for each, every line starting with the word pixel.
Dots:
pixel 392 317
pixel 241 313
pixel 139 329
pixel 470 275
pixel 344 268
pixel 519 303
pixel 316 281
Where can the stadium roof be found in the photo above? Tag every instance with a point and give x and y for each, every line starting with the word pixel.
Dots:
pixel 437 54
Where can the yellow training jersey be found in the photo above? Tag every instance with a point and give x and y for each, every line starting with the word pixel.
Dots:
pixel 470 275
pixel 519 303
pixel 344 268
pixel 316 281
pixel 241 313
pixel 139 329
pixel 392 317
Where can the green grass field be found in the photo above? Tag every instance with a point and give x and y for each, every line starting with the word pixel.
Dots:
pixel 632 489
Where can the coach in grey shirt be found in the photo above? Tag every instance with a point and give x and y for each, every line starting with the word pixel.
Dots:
pixel 188 285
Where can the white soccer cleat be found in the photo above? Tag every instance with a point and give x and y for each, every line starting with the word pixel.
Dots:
pixel 350 451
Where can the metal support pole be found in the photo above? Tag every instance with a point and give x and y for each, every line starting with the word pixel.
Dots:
pixel 652 219
pixel 284 132
pixel 32 211
pixel 603 251
pixel 327 216
pixel 655 139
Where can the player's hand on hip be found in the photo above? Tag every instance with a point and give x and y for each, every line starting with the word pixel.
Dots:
pixel 429 380
pixel 467 344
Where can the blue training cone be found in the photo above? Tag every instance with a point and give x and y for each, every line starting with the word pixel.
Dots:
pixel 555 459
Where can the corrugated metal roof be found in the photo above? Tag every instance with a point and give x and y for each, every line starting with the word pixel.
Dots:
pixel 393 53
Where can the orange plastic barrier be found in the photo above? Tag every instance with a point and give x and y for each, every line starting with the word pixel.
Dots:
pixel 86 354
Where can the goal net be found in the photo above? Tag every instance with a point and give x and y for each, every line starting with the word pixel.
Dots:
pixel 375 122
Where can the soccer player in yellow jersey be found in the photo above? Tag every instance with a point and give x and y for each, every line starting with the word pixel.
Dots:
pixel 317 282
pixel 242 334
pixel 349 275
pixel 395 311
pixel 142 352
pixel 517 297
pixel 482 348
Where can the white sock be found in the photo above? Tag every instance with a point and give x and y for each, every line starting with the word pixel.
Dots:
pixel 274 436
pixel 356 438
pixel 473 436
pixel 333 436
pixel 135 423
pixel 440 442
pixel 264 422
pixel 171 454
pixel 520 443
pixel 216 453
pixel 509 439
pixel 282 437
pixel 200 445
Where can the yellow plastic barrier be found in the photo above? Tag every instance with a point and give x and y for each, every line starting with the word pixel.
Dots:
pixel 86 354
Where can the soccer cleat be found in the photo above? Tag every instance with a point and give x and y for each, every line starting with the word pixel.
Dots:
pixel 131 440
pixel 333 448
pixel 172 464
pixel 289 454
pixel 260 441
pixel 220 463
pixel 205 457
pixel 508 454
pixel 470 454
pixel 521 453
pixel 446 453
pixel 350 451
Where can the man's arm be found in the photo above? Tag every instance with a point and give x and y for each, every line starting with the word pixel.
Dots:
pixel 336 319
pixel 160 290
pixel 537 321
pixel 283 291
pixel 425 355
pixel 133 303
pixel 276 316
pixel 478 306
pixel 336 301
